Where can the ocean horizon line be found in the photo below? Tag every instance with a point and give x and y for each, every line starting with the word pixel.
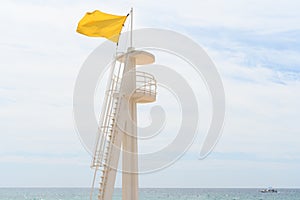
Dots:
pixel 57 187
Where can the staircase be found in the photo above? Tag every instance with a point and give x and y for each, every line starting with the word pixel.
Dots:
pixel 108 130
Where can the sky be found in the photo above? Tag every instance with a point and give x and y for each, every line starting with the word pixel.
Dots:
pixel 254 44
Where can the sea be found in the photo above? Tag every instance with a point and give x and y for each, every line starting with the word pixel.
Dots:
pixel 149 194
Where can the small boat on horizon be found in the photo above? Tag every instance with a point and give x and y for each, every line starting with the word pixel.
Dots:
pixel 268 190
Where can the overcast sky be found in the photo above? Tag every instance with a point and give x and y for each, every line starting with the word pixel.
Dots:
pixel 255 45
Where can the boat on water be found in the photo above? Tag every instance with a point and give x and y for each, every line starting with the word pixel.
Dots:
pixel 269 190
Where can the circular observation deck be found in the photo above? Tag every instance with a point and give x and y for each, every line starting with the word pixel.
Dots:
pixel 141 57
pixel 146 88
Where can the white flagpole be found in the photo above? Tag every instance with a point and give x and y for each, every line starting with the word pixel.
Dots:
pixel 131 22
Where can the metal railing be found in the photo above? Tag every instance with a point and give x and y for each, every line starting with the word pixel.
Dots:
pixel 145 83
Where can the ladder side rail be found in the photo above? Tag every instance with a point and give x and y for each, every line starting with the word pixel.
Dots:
pixel 98 136
pixel 114 128
pixel 105 123
pixel 103 128
pixel 111 114
pixel 119 96
pixel 114 133
pixel 119 78
pixel 115 115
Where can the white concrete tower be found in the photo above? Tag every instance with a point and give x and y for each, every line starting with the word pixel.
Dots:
pixel 118 124
pixel 138 87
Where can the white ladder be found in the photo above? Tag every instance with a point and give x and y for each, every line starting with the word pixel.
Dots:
pixel 108 130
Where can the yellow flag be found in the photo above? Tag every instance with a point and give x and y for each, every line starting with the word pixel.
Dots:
pixel 99 24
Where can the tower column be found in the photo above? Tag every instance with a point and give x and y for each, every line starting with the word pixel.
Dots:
pixel 129 140
pixel 128 115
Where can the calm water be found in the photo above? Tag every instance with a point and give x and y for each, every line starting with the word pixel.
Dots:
pixel 151 194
